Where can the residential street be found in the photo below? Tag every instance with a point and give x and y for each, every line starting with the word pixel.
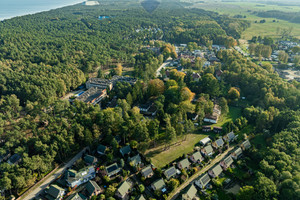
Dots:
pixel 163 66
pixel 44 183
pixel 195 176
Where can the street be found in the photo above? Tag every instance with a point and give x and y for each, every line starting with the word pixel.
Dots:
pixel 44 183
pixel 163 66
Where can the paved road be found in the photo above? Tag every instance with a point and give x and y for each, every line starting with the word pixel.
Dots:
pixel 52 177
pixel 163 66
pixel 195 176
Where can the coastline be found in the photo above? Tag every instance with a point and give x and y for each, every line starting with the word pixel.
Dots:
pixel 23 11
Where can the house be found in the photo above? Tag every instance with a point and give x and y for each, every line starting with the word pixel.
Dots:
pixel 55 192
pixel 214 117
pixel 123 190
pixel 237 153
pixel 196 76
pixel 183 164
pixel 217 129
pixel 125 150
pixel 112 170
pixel 170 172
pixel 206 64
pixel 190 194
pixel 203 181
pixel 76 178
pixel 215 171
pixel 147 172
pixel 90 3
pixel 192 116
pixel 135 160
pixel 15 159
pixel 196 157
pixel 226 162
pixel 219 74
pixel 245 145
pixel 218 143
pixel 204 141
pixel 76 196
pixel 92 188
pixel 207 151
pixel 229 137
pixel 158 185
pixel 144 108
pixel 206 128
pixel 90 160
pixel 101 149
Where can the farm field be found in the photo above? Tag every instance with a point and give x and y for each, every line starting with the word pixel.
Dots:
pixel 246 8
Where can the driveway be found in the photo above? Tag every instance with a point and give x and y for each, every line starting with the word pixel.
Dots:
pixel 44 183
pixel 163 66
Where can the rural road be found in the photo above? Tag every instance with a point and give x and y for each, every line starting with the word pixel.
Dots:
pixel 195 176
pixel 44 183
pixel 163 66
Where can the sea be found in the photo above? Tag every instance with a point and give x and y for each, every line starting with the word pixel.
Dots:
pixel 14 8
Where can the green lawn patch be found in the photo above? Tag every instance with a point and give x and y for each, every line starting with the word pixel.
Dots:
pixel 232 115
pixel 161 158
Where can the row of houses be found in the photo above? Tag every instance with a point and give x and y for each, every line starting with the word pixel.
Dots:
pixel 204 180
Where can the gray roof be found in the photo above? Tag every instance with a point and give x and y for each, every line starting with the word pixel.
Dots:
pixel 159 184
pixel 219 142
pixel 147 170
pixel 75 196
pixel 228 161
pixel 197 156
pixel 141 197
pixel 217 170
pixel 170 172
pixel 191 193
pixel 101 148
pixel 204 180
pixel 230 136
pixel 54 191
pixel 125 150
pixel 238 151
pixel 184 163
pixel 208 149
pixel 135 160
pixel 91 186
pixel 112 169
pixel 246 144
pixel 124 188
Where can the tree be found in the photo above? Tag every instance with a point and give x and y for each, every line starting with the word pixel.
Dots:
pixel 283 56
pixel 141 188
pixel 173 184
pixel 118 69
pixel 246 193
pixel 223 105
pixel 100 73
pixel 297 60
pixel 210 85
pixel 266 189
pixel 186 94
pixel 233 94
pixel 155 87
pixel 110 191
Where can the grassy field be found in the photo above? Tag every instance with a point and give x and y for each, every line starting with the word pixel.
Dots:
pixel 160 158
pixel 233 114
pixel 241 8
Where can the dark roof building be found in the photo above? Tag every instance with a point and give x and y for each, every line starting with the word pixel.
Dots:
pixel 171 172
pixel 125 150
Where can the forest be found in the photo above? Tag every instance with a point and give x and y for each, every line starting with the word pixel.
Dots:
pixel 45 55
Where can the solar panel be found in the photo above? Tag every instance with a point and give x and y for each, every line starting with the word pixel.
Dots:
pixel 170 172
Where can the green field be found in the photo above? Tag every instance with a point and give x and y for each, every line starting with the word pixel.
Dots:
pixel 233 114
pixel 241 8
pixel 161 158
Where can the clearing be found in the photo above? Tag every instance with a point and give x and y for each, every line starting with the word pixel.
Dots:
pixel 160 158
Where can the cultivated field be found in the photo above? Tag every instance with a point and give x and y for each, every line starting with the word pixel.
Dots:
pixel 245 9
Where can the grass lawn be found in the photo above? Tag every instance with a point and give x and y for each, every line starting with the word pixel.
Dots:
pixel 233 114
pixel 161 158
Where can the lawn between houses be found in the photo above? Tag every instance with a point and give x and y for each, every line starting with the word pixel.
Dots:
pixel 160 157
